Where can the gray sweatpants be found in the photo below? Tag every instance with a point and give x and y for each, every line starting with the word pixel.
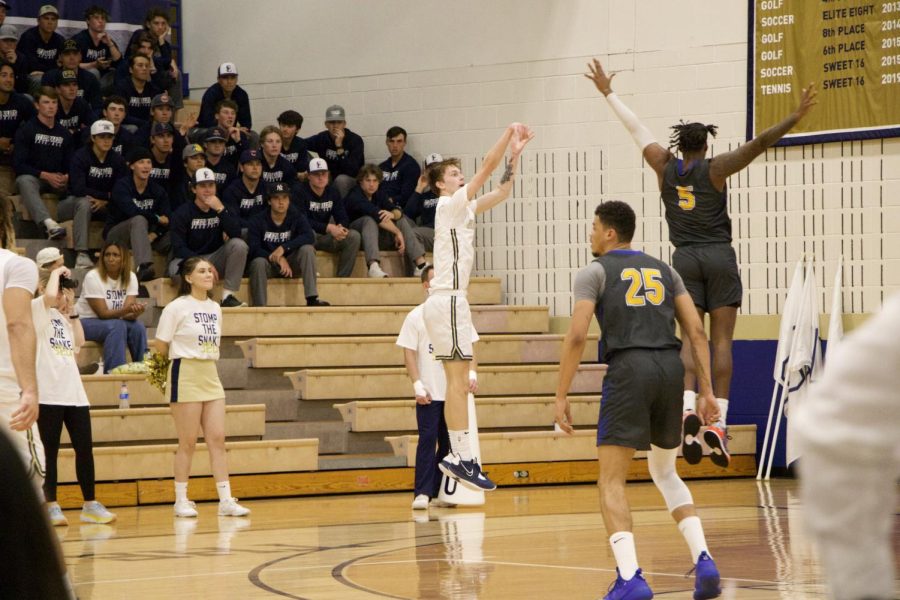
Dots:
pixel 374 238
pixel 425 235
pixel 346 249
pixel 77 210
pixel 230 261
pixel 30 189
pixel 134 233
pixel 303 264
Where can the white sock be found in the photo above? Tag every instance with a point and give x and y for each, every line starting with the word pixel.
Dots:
pixel 690 400
pixel 226 293
pixel 622 543
pixel 692 530
pixel 459 443
pixel 50 223
pixel 181 491
pixel 723 412
pixel 224 490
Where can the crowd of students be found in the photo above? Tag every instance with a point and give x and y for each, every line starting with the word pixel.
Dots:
pixel 95 126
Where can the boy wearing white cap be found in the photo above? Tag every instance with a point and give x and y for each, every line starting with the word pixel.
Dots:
pixel 197 230
pixel 93 172
pixel 225 88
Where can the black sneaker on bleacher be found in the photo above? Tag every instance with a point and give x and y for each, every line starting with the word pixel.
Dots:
pixel 317 302
pixel 146 273
pixel 231 302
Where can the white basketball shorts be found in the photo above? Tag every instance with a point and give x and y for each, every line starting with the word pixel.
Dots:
pixel 448 321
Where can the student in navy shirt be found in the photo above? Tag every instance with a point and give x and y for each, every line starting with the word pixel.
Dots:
pixel 41 45
pixel 95 168
pixel 114 111
pixel 15 109
pixel 98 50
pixel 236 141
pixel 293 147
pixel 224 166
pixel 421 206
pixel 401 171
pixel 9 39
pixel 226 88
pixel 193 159
pixel 322 204
pixel 276 168
pixel 74 113
pixel 162 110
pixel 207 228
pixel 156 30
pixel 343 149
pixel 167 171
pixel 138 214
pixel 138 90
pixel 282 245
pixel 245 196
pixel 41 158
pixel 69 60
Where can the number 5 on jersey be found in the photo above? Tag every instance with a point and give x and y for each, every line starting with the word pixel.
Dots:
pixel 686 198
pixel 645 286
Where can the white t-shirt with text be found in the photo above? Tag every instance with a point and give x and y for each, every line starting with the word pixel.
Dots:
pixel 59 381
pixel 109 290
pixel 191 327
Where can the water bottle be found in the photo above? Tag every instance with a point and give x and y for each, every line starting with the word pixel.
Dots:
pixel 123 396
pixel 100 370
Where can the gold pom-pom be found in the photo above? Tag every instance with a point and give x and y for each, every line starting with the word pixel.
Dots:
pixel 157 370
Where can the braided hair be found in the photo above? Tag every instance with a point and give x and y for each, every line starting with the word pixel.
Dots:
pixel 690 137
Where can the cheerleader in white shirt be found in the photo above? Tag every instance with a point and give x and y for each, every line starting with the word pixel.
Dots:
pixel 189 332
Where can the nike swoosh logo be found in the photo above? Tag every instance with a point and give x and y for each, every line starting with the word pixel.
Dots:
pixel 469 472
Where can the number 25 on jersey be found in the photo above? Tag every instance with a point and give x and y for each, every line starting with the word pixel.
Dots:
pixel 686 198
pixel 645 286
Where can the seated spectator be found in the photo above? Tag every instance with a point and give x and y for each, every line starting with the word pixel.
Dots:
pixel 294 147
pixel 15 109
pixel 193 159
pixel 207 228
pixel 276 168
pixel 236 141
pixel 41 159
pixel 9 39
pixel 282 245
pixel 69 60
pixel 138 90
pixel 142 43
pixel 372 215
pixel 138 214
pixel 422 205
pixel 98 50
pixel 95 168
pixel 401 171
pixel 162 111
pixel 245 196
pixel 217 159
pixel 322 204
pixel 114 111
pixel 167 171
pixel 74 113
pixel 343 149
pixel 166 75
pixel 226 88
pixel 41 46
pixel 109 309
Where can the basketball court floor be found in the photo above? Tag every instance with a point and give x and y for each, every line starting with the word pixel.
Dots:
pixel 535 542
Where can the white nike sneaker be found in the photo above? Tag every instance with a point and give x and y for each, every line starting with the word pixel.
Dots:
pixel 420 502
pixel 230 508
pixel 375 270
pixel 185 509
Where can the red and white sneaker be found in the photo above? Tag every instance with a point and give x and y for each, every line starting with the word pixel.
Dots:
pixel 717 440
pixel 690 441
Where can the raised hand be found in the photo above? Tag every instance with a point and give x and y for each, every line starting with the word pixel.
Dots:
pixel 520 139
pixel 602 81
pixel 807 100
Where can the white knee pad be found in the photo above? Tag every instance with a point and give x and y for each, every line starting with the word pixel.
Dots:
pixel 662 469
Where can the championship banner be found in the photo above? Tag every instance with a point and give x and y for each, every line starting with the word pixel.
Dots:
pixel 125 16
pixel 849 48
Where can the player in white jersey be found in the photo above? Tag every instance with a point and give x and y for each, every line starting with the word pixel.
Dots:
pixel 447 315
pixel 849 430
pixel 18 343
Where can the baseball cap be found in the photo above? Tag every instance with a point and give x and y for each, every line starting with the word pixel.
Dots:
pixel 191 150
pixel 214 133
pixel 432 158
pixel 227 69
pixel 138 153
pixel 70 46
pixel 47 256
pixel 204 175
pixel 47 9
pixel 8 32
pixel 249 156
pixel 67 76
pixel 161 128
pixel 278 188
pixel 317 164
pixel 103 127
pixel 335 112
pixel 161 100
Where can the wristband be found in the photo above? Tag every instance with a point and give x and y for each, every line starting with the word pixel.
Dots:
pixel 419 388
pixel 473 376
pixel 74 316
